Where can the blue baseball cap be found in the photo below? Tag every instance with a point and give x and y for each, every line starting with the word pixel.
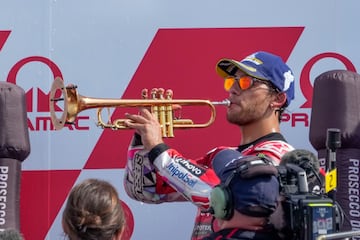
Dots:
pixel 260 190
pixel 262 65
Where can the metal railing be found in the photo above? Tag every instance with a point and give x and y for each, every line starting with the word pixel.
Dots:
pixel 339 235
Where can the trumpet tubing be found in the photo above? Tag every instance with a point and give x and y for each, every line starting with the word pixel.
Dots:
pixel 161 105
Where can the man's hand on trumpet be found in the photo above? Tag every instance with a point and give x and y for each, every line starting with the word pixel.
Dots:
pixel 153 123
pixel 147 126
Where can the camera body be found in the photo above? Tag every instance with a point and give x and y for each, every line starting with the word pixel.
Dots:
pixel 306 214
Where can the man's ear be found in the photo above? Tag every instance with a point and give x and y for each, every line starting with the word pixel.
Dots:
pixel 279 100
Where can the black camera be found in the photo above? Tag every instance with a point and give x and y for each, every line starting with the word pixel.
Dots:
pixel 306 214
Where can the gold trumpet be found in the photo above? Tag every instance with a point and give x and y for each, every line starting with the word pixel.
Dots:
pixel 161 105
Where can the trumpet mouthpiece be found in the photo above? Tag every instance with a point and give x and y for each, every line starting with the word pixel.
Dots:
pixel 225 102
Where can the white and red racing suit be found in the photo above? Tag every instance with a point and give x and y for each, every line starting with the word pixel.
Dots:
pixel 164 175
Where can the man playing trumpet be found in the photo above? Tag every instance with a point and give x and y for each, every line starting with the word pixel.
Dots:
pixel 260 87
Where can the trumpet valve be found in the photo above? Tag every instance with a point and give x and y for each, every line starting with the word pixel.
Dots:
pixel 154 93
pixel 169 114
pixel 169 94
pixel 154 108
pixel 160 93
pixel 162 112
pixel 145 93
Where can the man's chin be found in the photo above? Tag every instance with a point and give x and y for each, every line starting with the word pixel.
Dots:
pixel 236 120
pixel 231 119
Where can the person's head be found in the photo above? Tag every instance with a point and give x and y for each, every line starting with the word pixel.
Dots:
pixel 264 84
pixel 93 211
pixel 248 186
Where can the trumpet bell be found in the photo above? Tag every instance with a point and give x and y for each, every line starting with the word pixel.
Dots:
pixel 58 84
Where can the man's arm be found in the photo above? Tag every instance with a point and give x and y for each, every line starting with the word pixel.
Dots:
pixel 141 181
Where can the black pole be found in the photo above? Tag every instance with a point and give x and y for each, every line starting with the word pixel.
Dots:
pixel 333 142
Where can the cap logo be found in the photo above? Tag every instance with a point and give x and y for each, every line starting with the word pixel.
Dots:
pixel 251 69
pixel 253 59
pixel 289 78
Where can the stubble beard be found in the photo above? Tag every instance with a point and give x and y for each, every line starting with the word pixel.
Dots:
pixel 240 118
pixel 245 116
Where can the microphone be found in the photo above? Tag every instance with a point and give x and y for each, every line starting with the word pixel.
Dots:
pixel 333 142
pixel 309 162
pixel 301 177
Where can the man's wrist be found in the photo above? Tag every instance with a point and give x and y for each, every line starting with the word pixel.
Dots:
pixel 157 150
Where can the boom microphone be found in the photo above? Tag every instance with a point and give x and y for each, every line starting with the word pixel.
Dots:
pixel 310 163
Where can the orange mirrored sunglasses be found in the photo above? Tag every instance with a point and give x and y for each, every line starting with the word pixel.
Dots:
pixel 245 82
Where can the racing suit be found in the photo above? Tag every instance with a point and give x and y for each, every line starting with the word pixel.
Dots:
pixel 240 234
pixel 164 175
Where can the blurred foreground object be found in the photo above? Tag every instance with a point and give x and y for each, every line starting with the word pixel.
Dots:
pixel 14 149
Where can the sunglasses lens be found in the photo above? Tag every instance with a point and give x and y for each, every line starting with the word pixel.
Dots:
pixel 229 81
pixel 245 82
